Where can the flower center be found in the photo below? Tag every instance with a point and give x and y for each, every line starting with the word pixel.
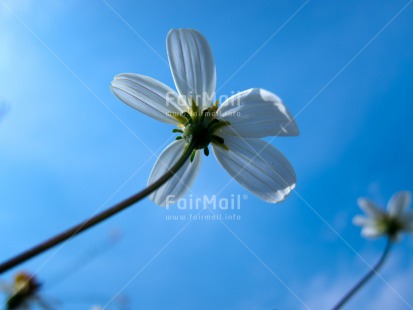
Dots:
pixel 199 134
pixel 390 226
pixel 25 286
pixel 199 128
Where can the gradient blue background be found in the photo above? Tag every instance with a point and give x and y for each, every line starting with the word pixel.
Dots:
pixel 68 147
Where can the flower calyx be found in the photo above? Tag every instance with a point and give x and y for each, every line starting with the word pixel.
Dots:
pixel 391 226
pixel 199 128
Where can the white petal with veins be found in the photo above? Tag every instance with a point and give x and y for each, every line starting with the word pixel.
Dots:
pixel 257 113
pixel 177 186
pixel 148 96
pixel 258 166
pixel 192 65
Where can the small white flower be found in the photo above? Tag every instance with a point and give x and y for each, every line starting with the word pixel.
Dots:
pixel 391 222
pixel 234 129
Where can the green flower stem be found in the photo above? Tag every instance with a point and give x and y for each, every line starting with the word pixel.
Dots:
pixel 92 221
pixel 367 277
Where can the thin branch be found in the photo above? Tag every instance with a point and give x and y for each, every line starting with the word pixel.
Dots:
pixel 367 277
pixel 75 230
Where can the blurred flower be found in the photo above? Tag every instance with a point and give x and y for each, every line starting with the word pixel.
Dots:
pixel 23 292
pixel 391 222
pixel 234 129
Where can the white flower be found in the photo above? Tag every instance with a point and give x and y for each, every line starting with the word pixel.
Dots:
pixel 234 129
pixel 381 222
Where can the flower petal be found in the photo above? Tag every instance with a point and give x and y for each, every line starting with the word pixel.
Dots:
pixel 408 227
pixel 370 232
pixel 398 203
pixel 362 221
pixel 192 65
pixel 181 182
pixel 148 96
pixel 370 208
pixel 407 221
pixel 257 113
pixel 258 166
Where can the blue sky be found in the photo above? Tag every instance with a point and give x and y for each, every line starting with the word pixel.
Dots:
pixel 68 147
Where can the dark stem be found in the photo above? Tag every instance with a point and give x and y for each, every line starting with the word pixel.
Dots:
pixel 75 230
pixel 367 277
